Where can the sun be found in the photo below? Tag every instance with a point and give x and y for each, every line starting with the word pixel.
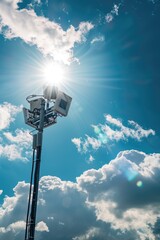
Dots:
pixel 53 74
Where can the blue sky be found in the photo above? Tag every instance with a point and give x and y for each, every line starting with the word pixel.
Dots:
pixel 101 164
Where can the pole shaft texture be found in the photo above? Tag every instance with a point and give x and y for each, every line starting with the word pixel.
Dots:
pixel 36 174
pixel 35 195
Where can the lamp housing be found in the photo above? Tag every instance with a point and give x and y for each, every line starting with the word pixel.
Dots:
pixel 62 103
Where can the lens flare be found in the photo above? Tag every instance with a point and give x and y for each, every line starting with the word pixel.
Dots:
pixel 139 184
pixel 131 174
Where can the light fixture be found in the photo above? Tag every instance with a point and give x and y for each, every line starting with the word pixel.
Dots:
pixel 43 112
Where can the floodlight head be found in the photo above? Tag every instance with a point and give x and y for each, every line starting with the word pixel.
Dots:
pixel 62 103
pixel 35 104
pixel 50 92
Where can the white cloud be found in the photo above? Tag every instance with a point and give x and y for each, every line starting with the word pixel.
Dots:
pixel 1 25
pixel 13 145
pixel 49 37
pixel 65 207
pixel 109 17
pixel 11 152
pixel 98 39
pixel 15 227
pixel 135 131
pixel 16 146
pixel 117 198
pixel 88 142
pixel 77 142
pixel 91 141
pixel 114 12
pixel 90 234
pixel 149 167
pixel 112 130
pixel 91 158
pixel 42 227
pixel 22 137
pixel 104 204
pixel 115 9
pixel 114 121
pixel 7 114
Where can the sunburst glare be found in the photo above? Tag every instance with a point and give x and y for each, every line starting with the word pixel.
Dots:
pixel 53 74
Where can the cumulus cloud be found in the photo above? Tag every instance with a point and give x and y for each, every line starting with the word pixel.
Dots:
pixel 113 130
pixel 15 227
pixel 11 152
pixel 7 114
pixel 62 209
pixel 108 203
pixel 114 12
pixel 17 146
pixel 48 36
pixel 21 137
pixel 118 199
pixel 13 145
pixel 42 227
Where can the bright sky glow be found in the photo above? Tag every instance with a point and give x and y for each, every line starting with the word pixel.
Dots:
pixel 53 74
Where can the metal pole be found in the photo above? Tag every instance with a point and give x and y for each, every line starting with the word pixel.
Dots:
pixel 39 116
pixel 36 173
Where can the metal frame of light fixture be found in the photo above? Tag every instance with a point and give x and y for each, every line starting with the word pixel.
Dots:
pixel 43 112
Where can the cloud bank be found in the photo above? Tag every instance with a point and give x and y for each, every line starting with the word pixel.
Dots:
pixel 47 36
pixel 121 200
pixel 112 130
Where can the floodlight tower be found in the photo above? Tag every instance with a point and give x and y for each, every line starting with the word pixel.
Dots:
pixel 43 112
